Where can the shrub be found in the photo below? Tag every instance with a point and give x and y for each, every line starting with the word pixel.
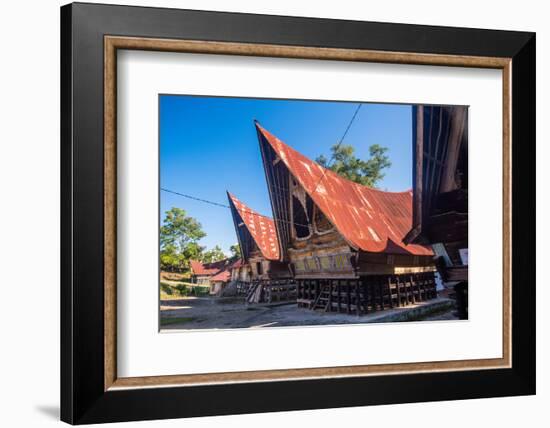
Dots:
pixel 166 288
pixel 182 289
pixel 201 291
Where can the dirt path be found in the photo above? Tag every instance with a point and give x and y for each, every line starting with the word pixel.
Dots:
pixel 215 313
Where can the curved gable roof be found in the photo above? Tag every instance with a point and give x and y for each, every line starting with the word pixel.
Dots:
pixel 369 219
pixel 260 227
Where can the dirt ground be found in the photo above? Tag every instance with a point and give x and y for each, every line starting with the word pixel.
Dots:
pixel 215 313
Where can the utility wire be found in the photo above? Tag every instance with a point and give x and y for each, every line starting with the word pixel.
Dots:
pixel 338 146
pixel 194 198
pixel 218 204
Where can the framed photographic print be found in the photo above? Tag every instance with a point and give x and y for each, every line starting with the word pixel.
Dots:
pixel 276 213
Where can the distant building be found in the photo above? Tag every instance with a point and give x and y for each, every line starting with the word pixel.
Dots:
pixel 219 281
pixel 215 275
pixel 240 271
pixel 342 241
pixel 201 273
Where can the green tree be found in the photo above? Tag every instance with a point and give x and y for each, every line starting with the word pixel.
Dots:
pixel 193 251
pixel 214 255
pixel 235 250
pixel 365 172
pixel 179 235
pixel 170 259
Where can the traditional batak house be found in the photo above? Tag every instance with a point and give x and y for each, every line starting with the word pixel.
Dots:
pixel 342 240
pixel 240 272
pixel 440 192
pixel 269 277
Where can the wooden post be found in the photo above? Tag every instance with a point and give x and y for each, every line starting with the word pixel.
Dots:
pixel 317 291
pixel 418 282
pixel 372 291
pixel 390 294
pixel 339 295
pixel 365 295
pixel 412 289
pixel 398 284
pixel 381 291
pixel 329 303
pixel 357 299
pixel 407 297
pixel 348 297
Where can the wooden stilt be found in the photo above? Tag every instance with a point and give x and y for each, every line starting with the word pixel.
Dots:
pixel 328 307
pixel 339 295
pixel 398 287
pixel 380 291
pixel 357 298
pixel 390 294
pixel 364 288
pixel 407 296
pixel 348 296
pixel 413 297
pixel 372 290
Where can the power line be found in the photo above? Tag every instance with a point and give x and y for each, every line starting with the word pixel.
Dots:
pixel 206 201
pixel 338 146
pixel 218 204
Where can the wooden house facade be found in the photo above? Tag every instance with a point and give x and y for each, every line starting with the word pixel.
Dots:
pixel 440 191
pixel 215 275
pixel 201 273
pixel 268 277
pixel 342 241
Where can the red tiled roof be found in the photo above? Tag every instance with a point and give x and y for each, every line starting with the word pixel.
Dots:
pixel 199 269
pixel 223 276
pixel 261 228
pixel 369 219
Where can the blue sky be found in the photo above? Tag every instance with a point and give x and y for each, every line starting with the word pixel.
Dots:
pixel 209 145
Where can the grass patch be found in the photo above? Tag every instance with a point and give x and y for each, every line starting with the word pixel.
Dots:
pixel 169 291
pixel 175 320
pixel 175 276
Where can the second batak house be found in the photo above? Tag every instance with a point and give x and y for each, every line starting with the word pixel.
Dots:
pixel 343 241
pixel 269 277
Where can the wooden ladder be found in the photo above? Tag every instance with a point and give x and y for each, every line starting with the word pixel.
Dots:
pixel 323 299
pixel 251 291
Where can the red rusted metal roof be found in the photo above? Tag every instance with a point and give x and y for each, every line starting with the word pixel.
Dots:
pixel 199 269
pixel 239 263
pixel 369 219
pixel 261 228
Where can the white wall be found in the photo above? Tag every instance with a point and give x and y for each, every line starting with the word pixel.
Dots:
pixel 29 230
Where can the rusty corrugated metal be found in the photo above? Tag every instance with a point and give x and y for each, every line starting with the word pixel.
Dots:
pixel 261 228
pixel 369 219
